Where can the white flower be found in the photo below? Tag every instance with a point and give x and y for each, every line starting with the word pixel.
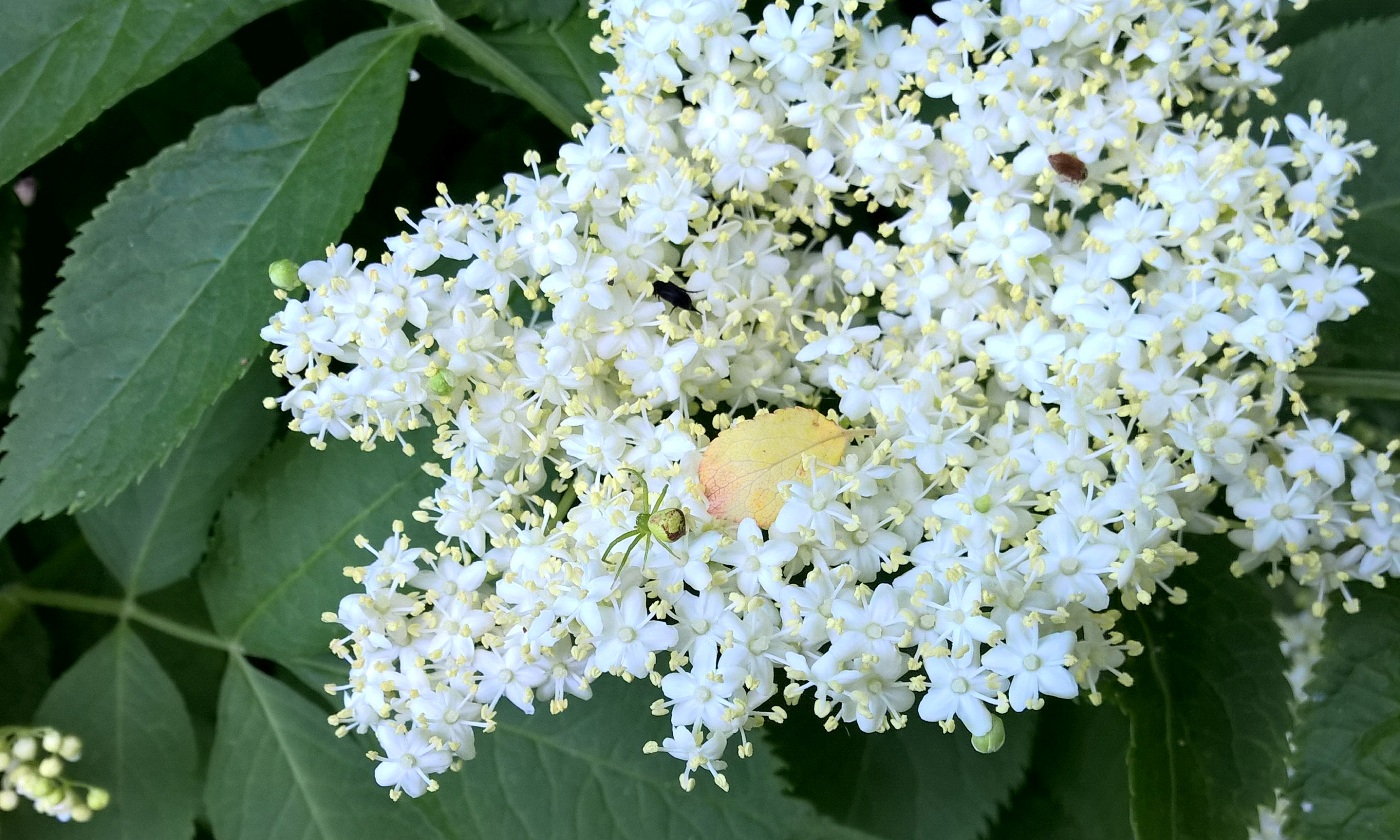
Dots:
pixel 959 687
pixel 1034 663
pixel 1046 379
pixel 628 639
pixel 409 758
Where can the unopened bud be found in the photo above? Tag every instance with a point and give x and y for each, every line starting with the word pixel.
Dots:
pixel 98 798
pixel 283 274
pixel 25 748
pixel 53 740
pixel 993 740
pixel 441 383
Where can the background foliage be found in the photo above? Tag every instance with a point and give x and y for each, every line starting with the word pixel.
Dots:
pixel 166 611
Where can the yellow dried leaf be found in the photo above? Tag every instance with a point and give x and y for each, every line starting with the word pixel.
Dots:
pixel 743 466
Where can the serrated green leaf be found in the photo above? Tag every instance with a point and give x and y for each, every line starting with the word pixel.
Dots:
pixel 1346 780
pixel 287 533
pixel 277 771
pixel 167 285
pixel 1209 706
pixel 1077 787
pixel 1355 71
pixel 137 743
pixel 63 62
pixel 556 56
pixel 155 531
pixel 916 782
pixel 582 775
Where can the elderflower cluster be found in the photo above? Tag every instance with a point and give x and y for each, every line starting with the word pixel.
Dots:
pixel 1010 242
pixel 31 767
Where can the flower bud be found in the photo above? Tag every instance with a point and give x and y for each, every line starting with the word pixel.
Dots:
pixel 992 740
pixel 98 798
pixel 441 383
pixel 25 748
pixel 71 748
pixel 53 740
pixel 283 274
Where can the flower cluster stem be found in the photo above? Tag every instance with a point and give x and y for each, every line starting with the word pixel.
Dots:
pixel 476 49
pixel 1356 384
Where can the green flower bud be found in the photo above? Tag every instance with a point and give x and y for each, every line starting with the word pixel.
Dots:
pixel 441 383
pixel 668 524
pixel 993 740
pixel 283 274
pixel 98 798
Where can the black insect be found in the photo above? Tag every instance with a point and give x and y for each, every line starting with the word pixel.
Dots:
pixel 673 294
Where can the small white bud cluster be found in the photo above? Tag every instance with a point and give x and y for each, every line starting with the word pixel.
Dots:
pixel 1013 244
pixel 32 761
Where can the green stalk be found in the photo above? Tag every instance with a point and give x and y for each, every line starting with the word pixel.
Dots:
pixel 121 609
pixel 1357 384
pixel 473 47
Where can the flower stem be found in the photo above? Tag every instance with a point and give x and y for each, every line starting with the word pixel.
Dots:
pixel 472 46
pixel 1357 384
pixel 561 508
pixel 121 609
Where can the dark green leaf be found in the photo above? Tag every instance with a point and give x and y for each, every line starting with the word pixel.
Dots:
pixel 1209 707
pixel 137 743
pixel 66 562
pixel 11 227
pixel 24 664
pixel 277 771
pixel 583 775
pixel 154 533
pixel 195 669
pixel 557 56
pixel 62 62
pixel 1346 781
pixel 916 782
pixel 287 533
pixel 167 285
pixel 1077 787
pixel 1297 26
pixel 1355 71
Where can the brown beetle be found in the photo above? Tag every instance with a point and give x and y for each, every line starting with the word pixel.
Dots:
pixel 1069 167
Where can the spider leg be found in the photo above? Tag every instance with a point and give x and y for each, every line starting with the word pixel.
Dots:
pixel 628 553
pixel 632 533
pixel 660 498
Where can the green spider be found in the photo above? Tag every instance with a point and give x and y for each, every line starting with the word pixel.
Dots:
pixel 653 523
